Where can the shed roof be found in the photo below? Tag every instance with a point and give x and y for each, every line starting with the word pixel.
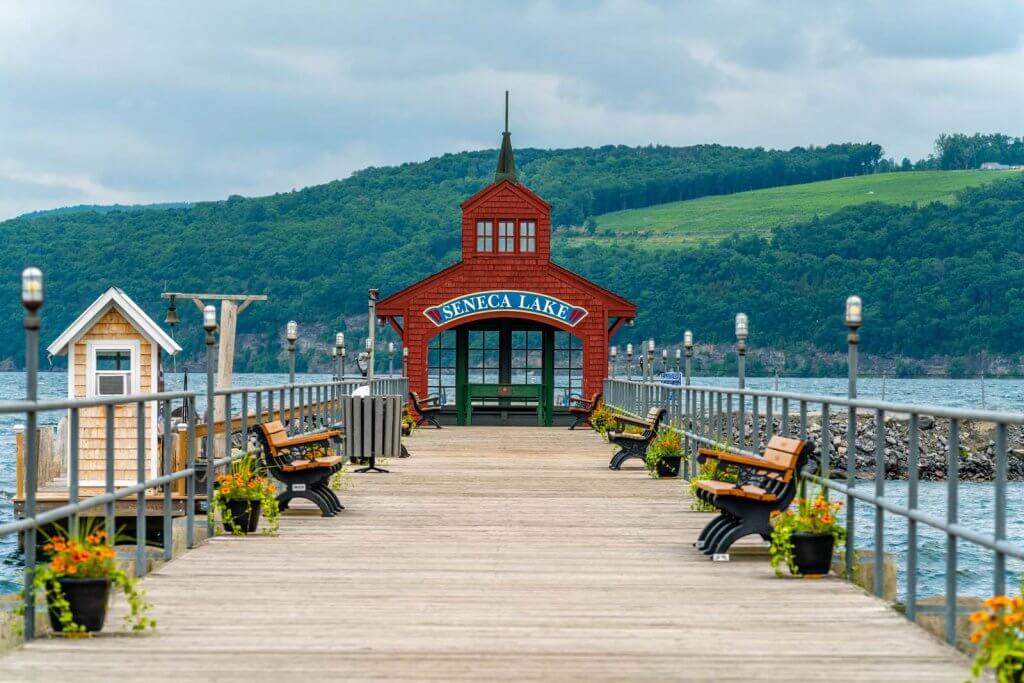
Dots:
pixel 113 298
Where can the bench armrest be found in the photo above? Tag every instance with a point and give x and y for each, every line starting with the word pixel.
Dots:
pixel 580 403
pixel 626 419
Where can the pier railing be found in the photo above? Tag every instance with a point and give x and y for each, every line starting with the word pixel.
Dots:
pixel 182 442
pixel 742 420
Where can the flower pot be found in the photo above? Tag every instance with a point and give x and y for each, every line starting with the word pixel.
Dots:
pixel 244 513
pixel 812 553
pixel 88 602
pixel 668 466
pixel 406 429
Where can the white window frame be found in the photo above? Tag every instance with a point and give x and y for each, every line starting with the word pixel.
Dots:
pixel 485 236
pixel 506 236
pixel 528 236
pixel 134 375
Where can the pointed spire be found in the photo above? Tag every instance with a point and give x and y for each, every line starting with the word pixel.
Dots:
pixel 506 160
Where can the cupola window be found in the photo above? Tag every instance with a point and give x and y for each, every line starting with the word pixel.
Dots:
pixel 528 236
pixel 506 236
pixel 484 236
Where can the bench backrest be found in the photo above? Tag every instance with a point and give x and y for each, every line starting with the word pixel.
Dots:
pixel 275 433
pixel 417 401
pixel 654 416
pixel 784 452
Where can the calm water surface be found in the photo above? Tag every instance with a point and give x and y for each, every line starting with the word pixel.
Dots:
pixel 976 499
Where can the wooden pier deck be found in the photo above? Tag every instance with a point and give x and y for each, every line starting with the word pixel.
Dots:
pixel 495 554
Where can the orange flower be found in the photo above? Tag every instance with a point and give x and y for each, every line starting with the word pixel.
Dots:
pixel 826 518
pixel 978 617
pixel 976 636
pixel 72 569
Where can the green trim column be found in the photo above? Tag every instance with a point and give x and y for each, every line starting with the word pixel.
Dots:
pixel 548 375
pixel 461 372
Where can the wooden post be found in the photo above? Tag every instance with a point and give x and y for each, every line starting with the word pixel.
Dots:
pixel 19 462
pixel 225 351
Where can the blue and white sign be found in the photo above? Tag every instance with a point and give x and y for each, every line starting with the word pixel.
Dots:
pixel 510 301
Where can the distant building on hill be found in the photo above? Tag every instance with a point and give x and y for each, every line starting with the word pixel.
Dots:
pixel 994 166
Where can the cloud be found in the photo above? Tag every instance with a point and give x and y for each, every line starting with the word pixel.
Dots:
pixel 138 102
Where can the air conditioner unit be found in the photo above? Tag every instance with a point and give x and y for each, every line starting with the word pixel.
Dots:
pixel 112 385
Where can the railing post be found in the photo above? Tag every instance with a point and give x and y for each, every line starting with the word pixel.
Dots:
pixel 168 468
pixel 999 582
pixel 913 457
pixel 140 498
pixel 952 516
pixel 190 481
pixel 879 559
pixel 110 527
pixel 209 324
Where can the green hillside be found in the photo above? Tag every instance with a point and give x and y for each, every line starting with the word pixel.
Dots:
pixel 759 211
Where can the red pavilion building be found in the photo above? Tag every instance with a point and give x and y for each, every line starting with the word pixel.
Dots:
pixel 506 336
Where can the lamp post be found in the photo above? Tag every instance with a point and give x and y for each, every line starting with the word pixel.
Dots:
pixel 613 354
pixel 339 349
pixel 629 362
pixel 688 345
pixel 679 358
pixel 405 361
pixel 371 341
pixel 32 300
pixel 292 334
pixel 854 317
pixel 210 325
pixel 741 348
pixel 664 360
pixel 391 358
pixel 650 373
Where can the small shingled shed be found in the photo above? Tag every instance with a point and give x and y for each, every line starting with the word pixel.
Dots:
pixel 114 349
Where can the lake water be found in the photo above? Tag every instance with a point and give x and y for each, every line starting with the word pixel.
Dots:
pixel 976 498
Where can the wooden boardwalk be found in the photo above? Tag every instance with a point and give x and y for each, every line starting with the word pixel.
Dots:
pixel 496 554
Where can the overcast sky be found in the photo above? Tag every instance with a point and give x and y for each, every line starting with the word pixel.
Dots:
pixel 104 102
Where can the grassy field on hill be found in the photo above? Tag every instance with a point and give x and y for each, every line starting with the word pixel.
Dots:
pixel 759 211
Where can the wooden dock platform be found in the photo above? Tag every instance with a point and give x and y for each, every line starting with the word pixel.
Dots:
pixel 496 554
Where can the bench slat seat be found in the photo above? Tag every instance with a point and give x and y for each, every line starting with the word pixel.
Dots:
pixel 287 459
pixel 763 484
pixel 297 465
pixel 634 445
pixel 581 409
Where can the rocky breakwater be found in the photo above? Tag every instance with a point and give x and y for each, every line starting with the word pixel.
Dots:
pixel 977 450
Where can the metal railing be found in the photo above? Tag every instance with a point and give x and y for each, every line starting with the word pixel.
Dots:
pixel 713 416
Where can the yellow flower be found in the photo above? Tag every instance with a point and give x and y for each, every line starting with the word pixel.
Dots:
pixel 978 617
pixel 976 636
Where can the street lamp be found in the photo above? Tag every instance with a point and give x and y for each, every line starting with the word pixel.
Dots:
pixel 339 349
pixel 292 334
pixel 614 353
pixel 629 362
pixel 741 347
pixel 210 325
pixel 664 360
pixel 391 358
pixel 405 361
pixel 649 371
pixel 688 345
pixel 854 317
pixel 32 300
pixel 679 358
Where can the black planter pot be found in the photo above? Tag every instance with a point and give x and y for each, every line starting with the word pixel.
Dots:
pixel 88 600
pixel 812 553
pixel 245 514
pixel 668 466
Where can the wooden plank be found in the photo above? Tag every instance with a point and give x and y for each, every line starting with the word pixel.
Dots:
pixel 496 554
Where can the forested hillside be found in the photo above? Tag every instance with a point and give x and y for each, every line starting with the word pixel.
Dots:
pixel 315 251
pixel 936 279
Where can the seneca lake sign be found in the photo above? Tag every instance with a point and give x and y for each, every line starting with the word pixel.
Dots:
pixel 505 301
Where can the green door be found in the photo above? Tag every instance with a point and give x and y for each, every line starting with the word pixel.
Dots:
pixel 507 352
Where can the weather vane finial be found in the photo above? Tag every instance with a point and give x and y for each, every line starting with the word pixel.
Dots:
pixel 506 159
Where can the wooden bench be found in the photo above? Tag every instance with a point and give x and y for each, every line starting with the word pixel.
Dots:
pixel 634 445
pixel 303 463
pixel 762 485
pixel 428 408
pixel 581 409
